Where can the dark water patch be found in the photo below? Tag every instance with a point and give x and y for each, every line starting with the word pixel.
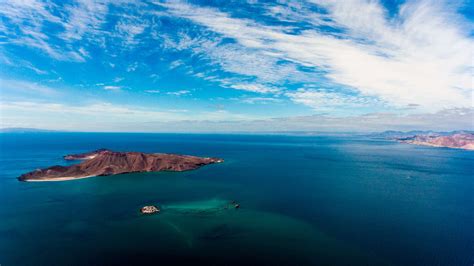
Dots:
pixel 304 200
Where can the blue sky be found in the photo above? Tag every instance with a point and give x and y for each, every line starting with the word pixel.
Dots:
pixel 236 65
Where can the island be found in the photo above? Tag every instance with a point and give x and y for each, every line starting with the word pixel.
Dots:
pixel 105 162
pixel 459 140
pixel 149 209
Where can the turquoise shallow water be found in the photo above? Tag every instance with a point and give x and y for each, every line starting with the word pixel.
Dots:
pixel 304 201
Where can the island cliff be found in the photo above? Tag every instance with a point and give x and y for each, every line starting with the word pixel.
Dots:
pixel 105 162
pixel 459 141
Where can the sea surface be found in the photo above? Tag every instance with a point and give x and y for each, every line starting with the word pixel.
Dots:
pixel 305 200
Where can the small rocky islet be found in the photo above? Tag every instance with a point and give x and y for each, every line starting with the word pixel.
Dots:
pixel 149 209
pixel 154 209
pixel 105 162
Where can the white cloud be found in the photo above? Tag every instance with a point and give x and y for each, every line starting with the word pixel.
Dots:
pixel 322 100
pixel 85 17
pixel 445 120
pixel 254 87
pixel 29 18
pixel 128 30
pixel 260 100
pixel 175 64
pixel 132 67
pixel 255 68
pixel 32 40
pixel 77 26
pixel 112 88
pixel 26 87
pixel 24 63
pixel 18 10
pixel 83 52
pixel 118 79
pixel 101 111
pixel 179 93
pixel 152 91
pixel 297 12
pixel 100 116
pixel 417 57
pixel 104 116
pixel 236 59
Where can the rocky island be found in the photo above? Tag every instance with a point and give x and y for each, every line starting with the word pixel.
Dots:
pixel 458 141
pixel 106 162
pixel 151 209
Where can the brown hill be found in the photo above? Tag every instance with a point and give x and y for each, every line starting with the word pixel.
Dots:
pixel 459 141
pixel 105 162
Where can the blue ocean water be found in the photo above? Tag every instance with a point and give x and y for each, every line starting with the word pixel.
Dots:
pixel 305 200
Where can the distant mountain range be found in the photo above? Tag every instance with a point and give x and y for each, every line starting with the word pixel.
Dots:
pixel 23 130
pixel 459 141
pixel 454 139
pixel 392 134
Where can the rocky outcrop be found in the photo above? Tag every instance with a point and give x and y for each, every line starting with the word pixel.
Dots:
pixel 149 209
pixel 459 141
pixel 105 162
pixel 85 156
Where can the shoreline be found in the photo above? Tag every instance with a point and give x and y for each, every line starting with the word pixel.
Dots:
pixel 64 178
pixel 437 146
pixel 107 162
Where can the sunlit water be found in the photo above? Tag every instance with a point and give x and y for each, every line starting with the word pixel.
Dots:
pixel 304 200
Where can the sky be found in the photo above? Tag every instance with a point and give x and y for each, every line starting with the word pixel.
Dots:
pixel 220 66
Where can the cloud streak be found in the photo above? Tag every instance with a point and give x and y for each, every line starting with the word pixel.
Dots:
pixel 100 116
pixel 419 57
pixel 112 88
pixel 179 93
pixel 108 117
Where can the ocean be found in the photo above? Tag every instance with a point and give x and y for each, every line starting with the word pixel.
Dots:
pixel 305 200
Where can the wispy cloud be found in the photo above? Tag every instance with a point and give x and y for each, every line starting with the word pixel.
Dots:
pixel 85 19
pixel 260 100
pixel 322 100
pixel 408 59
pixel 76 23
pixel 101 111
pixel 26 87
pixel 444 120
pixel 100 116
pixel 35 69
pixel 112 88
pixel 179 93
pixel 132 67
pixel 129 29
pixel 176 63
pixel 29 18
pixel 152 91
pixel 254 87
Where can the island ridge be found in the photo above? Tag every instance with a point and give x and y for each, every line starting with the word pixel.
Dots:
pixel 105 162
pixel 458 141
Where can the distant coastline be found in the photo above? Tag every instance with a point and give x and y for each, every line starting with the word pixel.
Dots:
pixel 455 140
pixel 377 134
pixel 25 130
